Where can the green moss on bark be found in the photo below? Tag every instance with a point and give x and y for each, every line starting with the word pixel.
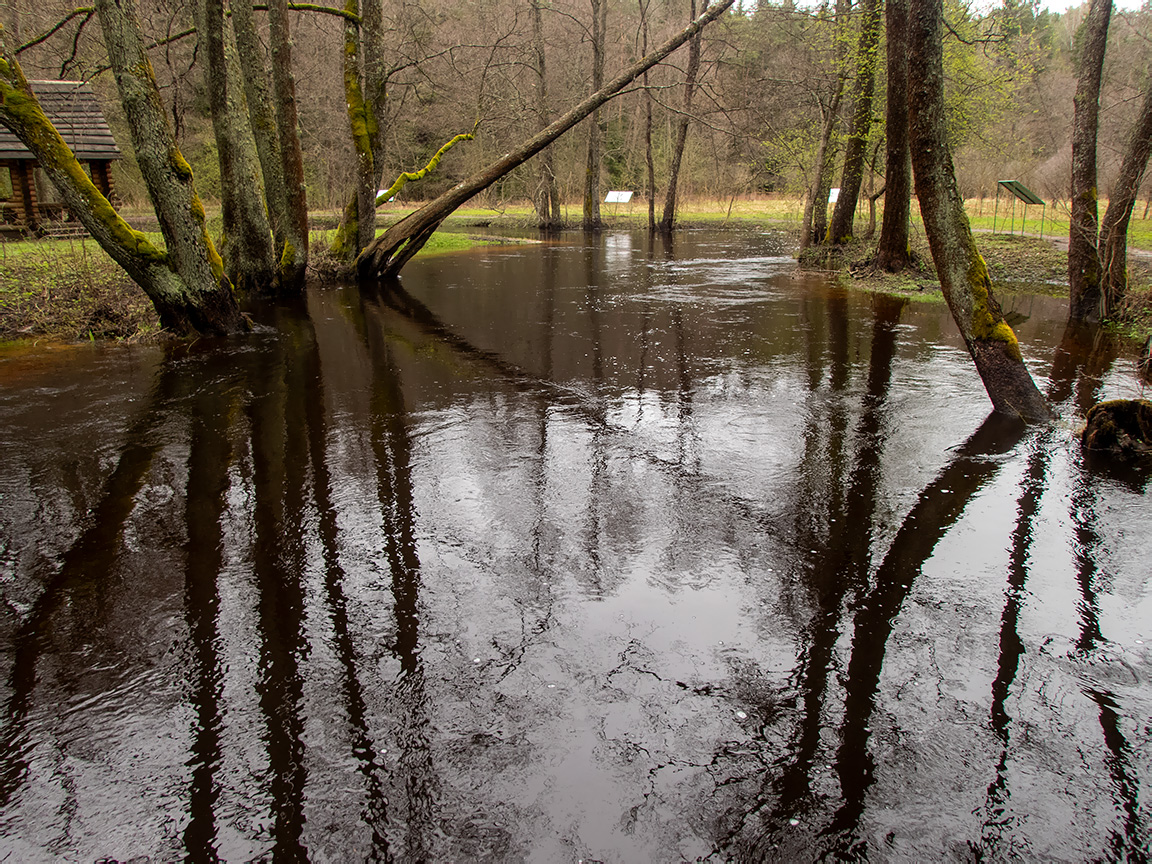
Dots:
pixel 987 322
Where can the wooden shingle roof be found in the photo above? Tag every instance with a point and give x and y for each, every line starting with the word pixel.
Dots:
pixel 75 112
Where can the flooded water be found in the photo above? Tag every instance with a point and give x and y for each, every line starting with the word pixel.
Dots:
pixel 617 552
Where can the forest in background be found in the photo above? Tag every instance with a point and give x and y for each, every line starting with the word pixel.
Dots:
pixel 765 86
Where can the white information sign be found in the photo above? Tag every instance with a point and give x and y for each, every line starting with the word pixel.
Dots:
pixel 833 195
pixel 618 197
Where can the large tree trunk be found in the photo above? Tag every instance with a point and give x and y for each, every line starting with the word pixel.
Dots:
pixel 262 117
pixel 669 218
pixel 592 221
pixel 358 226
pixel 547 197
pixel 294 255
pixel 844 213
pixel 190 292
pixel 892 251
pixel 1114 228
pixel 963 274
pixel 249 258
pixel 1084 299
pixel 396 246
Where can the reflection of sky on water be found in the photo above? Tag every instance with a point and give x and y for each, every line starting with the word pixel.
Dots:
pixel 703 558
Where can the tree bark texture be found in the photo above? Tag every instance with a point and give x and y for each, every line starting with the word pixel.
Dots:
pixel 395 247
pixel 892 251
pixel 262 117
pixel 815 219
pixel 249 258
pixel 649 161
pixel 206 306
pixel 358 226
pixel 166 173
pixel 963 274
pixel 1085 299
pixel 844 213
pixel 592 221
pixel 375 80
pixel 547 197
pixel 1114 227
pixel 294 254
pixel 669 217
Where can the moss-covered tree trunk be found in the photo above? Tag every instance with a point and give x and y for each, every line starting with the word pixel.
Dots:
pixel 892 251
pixel 190 293
pixel 1114 227
pixel 249 258
pixel 547 195
pixel 963 274
pixel 358 226
pixel 376 73
pixel 389 252
pixel 681 138
pixel 1085 300
pixel 294 256
pixel 592 220
pixel 855 151
pixel 262 117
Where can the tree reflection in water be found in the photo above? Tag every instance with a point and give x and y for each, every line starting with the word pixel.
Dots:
pixel 306 694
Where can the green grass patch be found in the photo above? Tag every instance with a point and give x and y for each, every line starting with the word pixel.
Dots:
pixel 69 290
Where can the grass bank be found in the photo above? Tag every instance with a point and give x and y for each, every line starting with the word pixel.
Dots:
pixel 70 290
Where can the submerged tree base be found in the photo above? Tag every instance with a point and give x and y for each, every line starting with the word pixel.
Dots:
pixel 1121 427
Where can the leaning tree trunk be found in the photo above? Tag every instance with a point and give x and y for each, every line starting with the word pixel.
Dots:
pixel 200 304
pixel 892 251
pixel 669 218
pixel 395 247
pixel 844 213
pixel 1085 298
pixel 547 197
pixel 1114 228
pixel 592 221
pixel 963 274
pixel 249 257
pixel 294 255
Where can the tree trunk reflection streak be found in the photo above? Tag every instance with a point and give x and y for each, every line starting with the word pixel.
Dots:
pixel 391 448
pixel 364 749
pixel 541 564
pixel 996 814
pixel 1128 844
pixel 597 482
pixel 937 508
pixel 209 458
pixel 1085 354
pixel 1125 844
pixel 838 573
pixel 86 565
pixel 278 453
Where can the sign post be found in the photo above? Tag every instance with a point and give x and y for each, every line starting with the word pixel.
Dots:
pixel 618 197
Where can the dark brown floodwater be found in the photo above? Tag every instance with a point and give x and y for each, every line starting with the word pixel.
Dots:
pixel 609 552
